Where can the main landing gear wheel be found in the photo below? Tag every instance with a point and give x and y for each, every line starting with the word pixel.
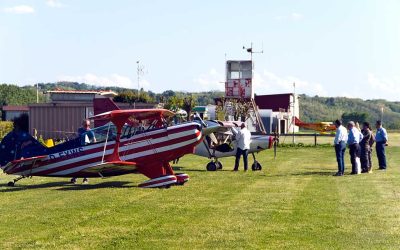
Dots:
pixel 11 184
pixel 160 182
pixel 256 166
pixel 181 179
pixel 211 166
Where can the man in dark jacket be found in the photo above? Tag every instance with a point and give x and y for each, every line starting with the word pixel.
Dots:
pixel 365 148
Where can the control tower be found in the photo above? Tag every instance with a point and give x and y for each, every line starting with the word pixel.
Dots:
pixel 238 103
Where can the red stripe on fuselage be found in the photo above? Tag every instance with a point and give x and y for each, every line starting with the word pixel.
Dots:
pixel 126 152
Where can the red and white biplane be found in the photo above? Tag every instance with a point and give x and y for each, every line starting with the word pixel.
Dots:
pixel 132 141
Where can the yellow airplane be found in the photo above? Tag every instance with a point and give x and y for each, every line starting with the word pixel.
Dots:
pixel 322 127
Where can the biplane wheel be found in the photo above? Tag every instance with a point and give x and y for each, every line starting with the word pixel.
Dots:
pixel 181 179
pixel 256 166
pixel 211 166
pixel 11 184
pixel 161 182
pixel 219 165
pixel 73 180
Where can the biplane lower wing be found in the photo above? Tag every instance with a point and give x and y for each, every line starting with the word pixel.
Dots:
pixel 111 168
pixel 21 165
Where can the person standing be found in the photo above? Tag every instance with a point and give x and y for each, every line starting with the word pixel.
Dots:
pixel 87 136
pixel 243 138
pixel 365 148
pixel 340 146
pixel 85 132
pixel 381 138
pixel 353 141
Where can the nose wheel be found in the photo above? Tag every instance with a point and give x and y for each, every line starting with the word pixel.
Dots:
pixel 256 166
pixel 214 165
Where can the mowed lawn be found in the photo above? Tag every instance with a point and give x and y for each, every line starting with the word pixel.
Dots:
pixel 294 202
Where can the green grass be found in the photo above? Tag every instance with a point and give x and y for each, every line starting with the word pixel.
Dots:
pixel 294 202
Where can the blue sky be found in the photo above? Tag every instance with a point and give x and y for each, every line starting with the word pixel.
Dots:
pixel 329 48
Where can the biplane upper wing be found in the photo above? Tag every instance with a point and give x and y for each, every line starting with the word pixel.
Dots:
pixel 138 114
pixel 106 168
pixel 23 164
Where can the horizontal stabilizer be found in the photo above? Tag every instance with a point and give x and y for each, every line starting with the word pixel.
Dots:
pixel 17 165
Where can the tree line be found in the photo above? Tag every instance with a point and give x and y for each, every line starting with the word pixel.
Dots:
pixel 312 109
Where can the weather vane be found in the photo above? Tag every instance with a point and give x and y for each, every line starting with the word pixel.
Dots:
pixel 250 50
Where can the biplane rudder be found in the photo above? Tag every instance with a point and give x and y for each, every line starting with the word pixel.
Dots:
pixel 19 144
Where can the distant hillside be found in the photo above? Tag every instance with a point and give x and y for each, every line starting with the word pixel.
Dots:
pixel 313 109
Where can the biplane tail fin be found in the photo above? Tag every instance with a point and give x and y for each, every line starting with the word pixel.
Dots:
pixel 17 145
pixel 101 105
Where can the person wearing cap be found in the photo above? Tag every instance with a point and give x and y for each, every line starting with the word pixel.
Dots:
pixel 381 138
pixel 340 146
pixel 243 138
pixel 353 141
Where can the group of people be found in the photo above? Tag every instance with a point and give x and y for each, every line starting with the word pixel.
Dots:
pixel 360 143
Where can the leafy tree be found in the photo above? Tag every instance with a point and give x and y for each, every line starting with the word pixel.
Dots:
pixel 355 116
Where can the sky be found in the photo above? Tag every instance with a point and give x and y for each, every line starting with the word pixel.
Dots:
pixel 327 48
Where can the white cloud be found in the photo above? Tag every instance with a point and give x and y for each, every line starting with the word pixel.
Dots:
pixel 54 4
pixel 291 17
pixel 383 87
pixel 270 83
pixel 296 16
pixel 20 9
pixel 212 80
pixel 105 81
pixel 263 83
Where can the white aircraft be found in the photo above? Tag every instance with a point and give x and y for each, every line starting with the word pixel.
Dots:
pixel 222 143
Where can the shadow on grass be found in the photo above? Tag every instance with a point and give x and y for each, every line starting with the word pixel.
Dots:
pixel 67 186
pixel 178 168
pixel 308 173
pixel 110 184
pixel 19 187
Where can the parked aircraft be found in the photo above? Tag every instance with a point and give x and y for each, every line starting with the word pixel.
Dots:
pixel 222 143
pixel 132 141
pixel 322 127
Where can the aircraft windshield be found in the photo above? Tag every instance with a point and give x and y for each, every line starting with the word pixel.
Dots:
pixel 100 133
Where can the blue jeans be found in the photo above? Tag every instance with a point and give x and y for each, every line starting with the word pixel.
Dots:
pixel 240 152
pixel 380 152
pixel 339 150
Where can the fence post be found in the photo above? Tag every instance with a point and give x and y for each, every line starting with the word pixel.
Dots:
pixel 315 139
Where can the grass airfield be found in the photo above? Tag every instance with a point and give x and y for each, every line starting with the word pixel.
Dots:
pixel 294 202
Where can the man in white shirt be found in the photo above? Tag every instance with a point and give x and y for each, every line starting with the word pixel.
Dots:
pixel 340 146
pixel 243 138
pixel 353 141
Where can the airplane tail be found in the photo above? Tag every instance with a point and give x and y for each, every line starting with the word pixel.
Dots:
pixel 101 105
pixel 17 145
pixel 297 121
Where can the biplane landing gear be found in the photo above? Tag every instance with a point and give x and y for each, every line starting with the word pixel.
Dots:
pixel 73 180
pixel 181 179
pixel 164 181
pixel 256 166
pixel 12 183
